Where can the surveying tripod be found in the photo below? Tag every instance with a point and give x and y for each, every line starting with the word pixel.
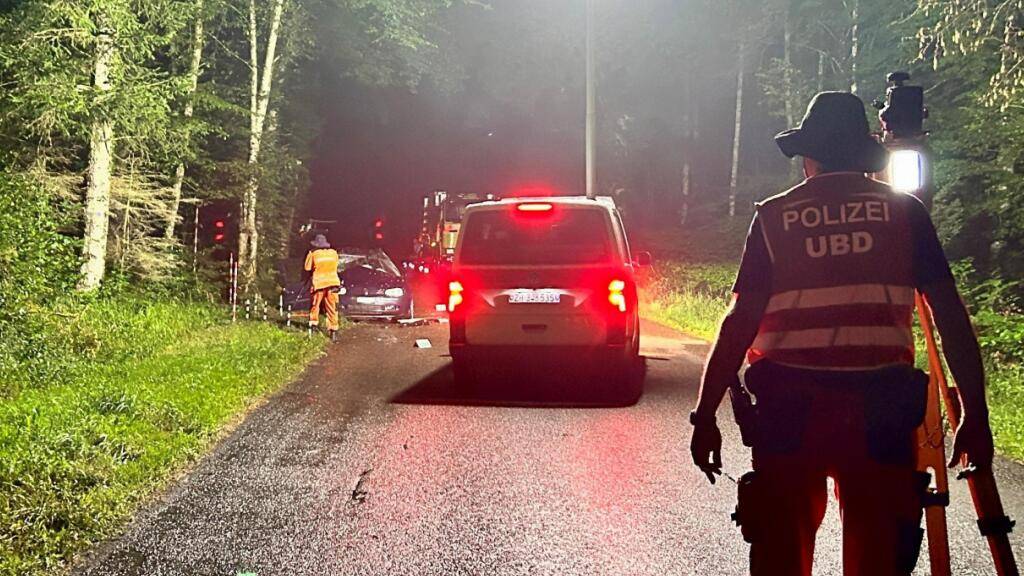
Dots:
pixel 993 522
pixel 902 116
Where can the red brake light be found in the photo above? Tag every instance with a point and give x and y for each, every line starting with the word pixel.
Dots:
pixel 616 296
pixel 534 207
pixel 454 295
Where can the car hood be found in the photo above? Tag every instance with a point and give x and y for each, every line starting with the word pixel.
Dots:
pixel 370 279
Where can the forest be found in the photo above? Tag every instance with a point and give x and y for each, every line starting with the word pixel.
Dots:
pixel 119 117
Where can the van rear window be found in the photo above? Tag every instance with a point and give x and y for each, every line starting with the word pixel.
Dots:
pixel 508 237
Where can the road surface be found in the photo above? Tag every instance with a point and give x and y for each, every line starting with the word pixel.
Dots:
pixel 374 464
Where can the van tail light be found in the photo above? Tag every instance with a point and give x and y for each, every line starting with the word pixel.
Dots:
pixel 616 294
pixel 454 295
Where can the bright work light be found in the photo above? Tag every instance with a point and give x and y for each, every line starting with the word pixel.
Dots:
pixel 906 170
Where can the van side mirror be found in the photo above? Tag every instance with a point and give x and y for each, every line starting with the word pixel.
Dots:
pixel 642 259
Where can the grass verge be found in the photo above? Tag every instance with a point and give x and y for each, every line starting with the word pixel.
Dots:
pixel 138 400
pixel 688 297
pixel 693 297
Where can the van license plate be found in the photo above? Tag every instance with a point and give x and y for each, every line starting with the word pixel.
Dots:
pixel 534 297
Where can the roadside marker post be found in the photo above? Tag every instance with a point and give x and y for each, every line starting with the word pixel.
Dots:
pixel 233 286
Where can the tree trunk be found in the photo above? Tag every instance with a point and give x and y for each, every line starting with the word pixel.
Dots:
pixel 854 44
pixel 821 71
pixel 787 55
pixel 101 154
pixel 684 211
pixel 787 74
pixel 737 129
pixel 193 84
pixel 259 100
pixel 689 130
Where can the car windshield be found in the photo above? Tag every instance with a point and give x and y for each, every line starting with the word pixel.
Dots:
pixel 376 261
pixel 564 236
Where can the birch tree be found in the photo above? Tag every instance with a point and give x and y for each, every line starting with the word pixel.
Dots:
pixel 195 65
pixel 789 94
pixel 260 85
pixel 101 155
pixel 737 133
pixel 85 83
pixel 854 42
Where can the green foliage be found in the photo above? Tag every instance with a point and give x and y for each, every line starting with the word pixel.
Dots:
pixel 47 53
pixel 151 384
pixel 971 28
pixel 998 314
pixel 37 268
pixel 1006 406
pixel 37 261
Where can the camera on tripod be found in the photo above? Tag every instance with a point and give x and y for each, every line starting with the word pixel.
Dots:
pixel 903 112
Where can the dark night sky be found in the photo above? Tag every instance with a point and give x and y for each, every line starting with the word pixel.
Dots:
pixel 516 117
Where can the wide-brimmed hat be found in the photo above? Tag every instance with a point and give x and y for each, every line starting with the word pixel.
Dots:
pixel 320 242
pixel 835 132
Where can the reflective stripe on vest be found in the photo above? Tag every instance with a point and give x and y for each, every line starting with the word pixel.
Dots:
pixel 842 295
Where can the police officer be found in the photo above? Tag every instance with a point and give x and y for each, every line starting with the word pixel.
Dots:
pixel 822 310
pixel 322 265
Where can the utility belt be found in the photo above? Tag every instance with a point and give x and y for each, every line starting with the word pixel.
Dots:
pixel 774 404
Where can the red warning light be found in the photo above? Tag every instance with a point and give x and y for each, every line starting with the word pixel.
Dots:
pixel 378 236
pixel 219 237
pixel 534 207
pixel 218 224
pixel 379 223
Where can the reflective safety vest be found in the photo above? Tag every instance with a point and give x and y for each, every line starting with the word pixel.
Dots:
pixel 323 263
pixel 842 293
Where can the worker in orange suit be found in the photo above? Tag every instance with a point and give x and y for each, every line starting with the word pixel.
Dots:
pixel 322 265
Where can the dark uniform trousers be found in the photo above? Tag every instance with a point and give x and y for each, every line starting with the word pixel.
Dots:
pixel 859 432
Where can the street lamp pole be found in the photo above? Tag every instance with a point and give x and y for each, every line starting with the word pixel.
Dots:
pixel 591 101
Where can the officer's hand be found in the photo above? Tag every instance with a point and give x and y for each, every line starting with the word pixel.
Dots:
pixel 973 441
pixel 706 449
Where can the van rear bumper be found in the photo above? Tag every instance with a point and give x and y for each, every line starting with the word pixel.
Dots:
pixel 582 356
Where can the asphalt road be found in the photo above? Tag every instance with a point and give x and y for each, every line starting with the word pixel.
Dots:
pixel 374 464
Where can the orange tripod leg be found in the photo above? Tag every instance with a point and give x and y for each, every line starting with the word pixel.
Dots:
pixel 992 520
pixel 931 460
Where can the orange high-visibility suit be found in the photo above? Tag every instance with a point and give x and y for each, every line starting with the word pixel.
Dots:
pixel 323 265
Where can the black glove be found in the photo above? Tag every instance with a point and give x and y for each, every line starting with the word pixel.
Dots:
pixel 706 448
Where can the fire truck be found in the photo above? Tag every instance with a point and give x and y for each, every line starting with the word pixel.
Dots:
pixel 442 219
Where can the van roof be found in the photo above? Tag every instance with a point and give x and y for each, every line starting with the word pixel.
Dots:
pixel 602 201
